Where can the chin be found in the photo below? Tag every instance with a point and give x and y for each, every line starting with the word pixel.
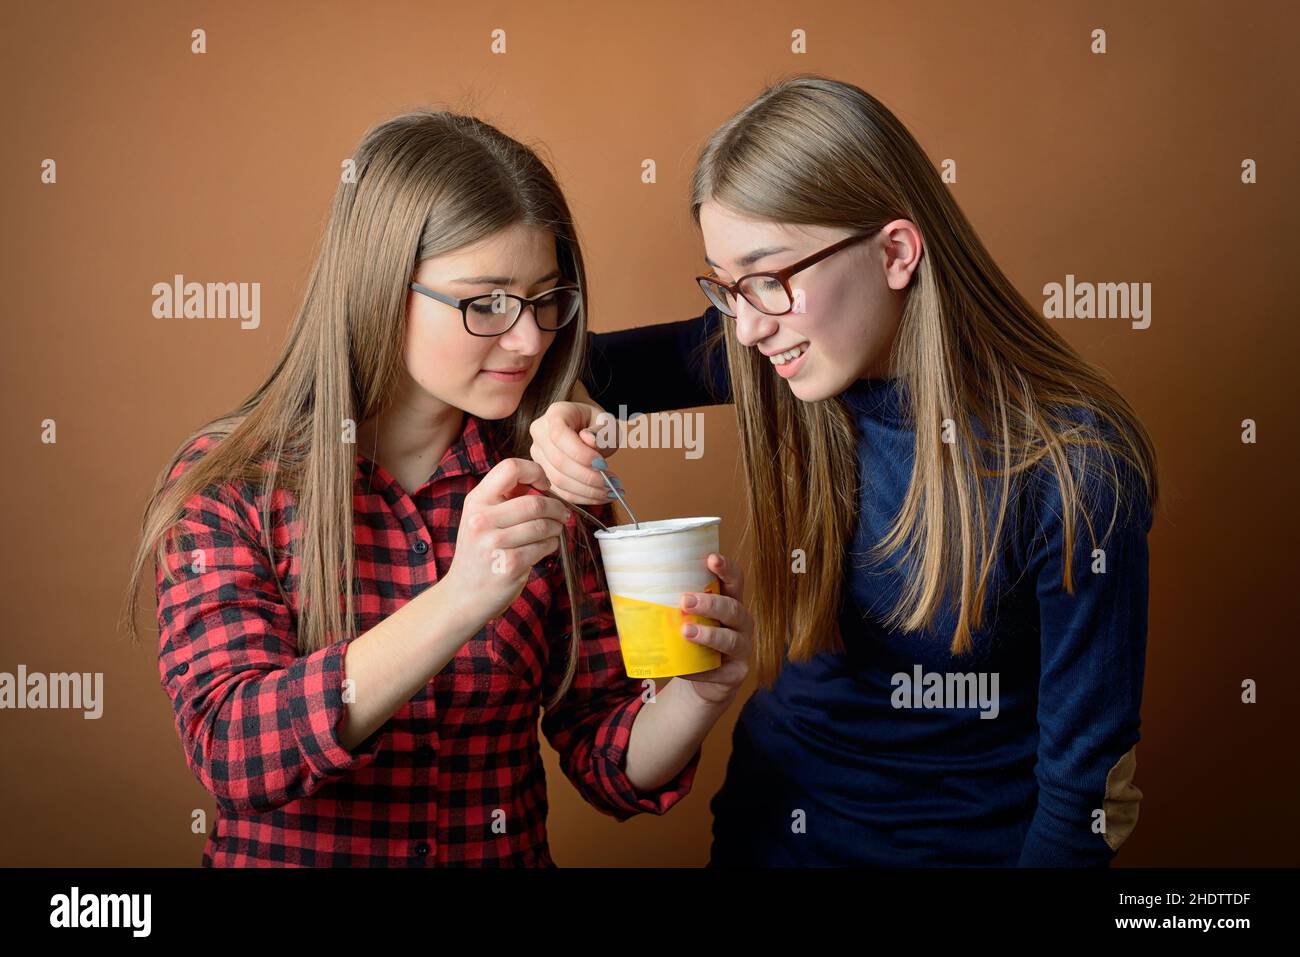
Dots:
pixel 810 391
pixel 493 407
pixel 492 411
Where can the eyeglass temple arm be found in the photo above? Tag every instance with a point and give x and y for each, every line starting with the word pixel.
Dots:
pixel 434 294
pixel 458 302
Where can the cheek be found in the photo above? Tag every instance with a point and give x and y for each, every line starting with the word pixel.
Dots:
pixel 441 357
pixel 839 315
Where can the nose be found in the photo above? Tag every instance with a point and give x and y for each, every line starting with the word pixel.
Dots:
pixel 752 326
pixel 524 337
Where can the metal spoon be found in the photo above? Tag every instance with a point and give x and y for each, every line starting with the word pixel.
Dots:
pixel 586 513
pixel 622 501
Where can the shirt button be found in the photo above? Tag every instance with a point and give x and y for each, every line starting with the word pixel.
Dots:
pixel 421 546
pixel 422 849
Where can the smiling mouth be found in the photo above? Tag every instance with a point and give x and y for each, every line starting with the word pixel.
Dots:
pixel 781 358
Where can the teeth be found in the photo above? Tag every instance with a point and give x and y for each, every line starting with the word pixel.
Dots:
pixel 781 358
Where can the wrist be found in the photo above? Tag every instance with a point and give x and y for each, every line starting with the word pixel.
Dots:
pixel 706 706
pixel 454 609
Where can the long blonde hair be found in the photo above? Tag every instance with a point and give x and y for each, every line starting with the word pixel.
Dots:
pixel 814 151
pixel 425 183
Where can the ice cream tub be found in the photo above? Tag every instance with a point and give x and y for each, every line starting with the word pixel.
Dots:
pixel 648 568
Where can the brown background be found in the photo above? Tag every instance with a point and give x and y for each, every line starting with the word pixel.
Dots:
pixel 1120 167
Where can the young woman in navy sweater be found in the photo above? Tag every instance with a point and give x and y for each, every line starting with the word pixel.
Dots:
pixel 949 510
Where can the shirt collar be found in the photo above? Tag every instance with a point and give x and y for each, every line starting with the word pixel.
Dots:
pixel 474 452
pixel 479 447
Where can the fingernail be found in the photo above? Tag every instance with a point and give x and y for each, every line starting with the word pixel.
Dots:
pixel 598 463
pixel 616 481
pixel 688 600
pixel 690 631
pixel 612 494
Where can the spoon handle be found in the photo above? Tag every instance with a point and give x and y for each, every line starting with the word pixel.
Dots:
pixel 622 501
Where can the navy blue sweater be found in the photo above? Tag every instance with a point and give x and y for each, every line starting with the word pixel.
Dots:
pixel 895 752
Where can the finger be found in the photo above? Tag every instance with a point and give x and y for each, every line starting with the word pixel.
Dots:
pixel 730 575
pixel 607 430
pixel 510 478
pixel 573 458
pixel 724 609
pixel 741 648
pixel 580 494
pixel 730 643
pixel 529 533
pixel 532 554
pixel 526 508
pixel 571 477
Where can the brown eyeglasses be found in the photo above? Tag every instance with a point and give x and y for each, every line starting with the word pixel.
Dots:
pixel 768 292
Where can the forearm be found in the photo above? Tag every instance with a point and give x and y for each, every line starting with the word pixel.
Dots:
pixel 388 664
pixel 666 733
pixel 655 368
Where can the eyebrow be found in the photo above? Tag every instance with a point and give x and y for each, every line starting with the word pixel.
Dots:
pixel 502 280
pixel 750 258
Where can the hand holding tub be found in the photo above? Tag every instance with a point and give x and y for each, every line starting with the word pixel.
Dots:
pixel 732 636
pixel 669 624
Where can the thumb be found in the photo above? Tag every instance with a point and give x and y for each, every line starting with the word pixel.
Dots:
pixel 607 432
pixel 730 575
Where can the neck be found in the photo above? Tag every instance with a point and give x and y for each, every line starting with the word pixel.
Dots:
pixel 411 436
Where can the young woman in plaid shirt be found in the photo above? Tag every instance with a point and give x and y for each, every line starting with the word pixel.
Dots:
pixel 365 603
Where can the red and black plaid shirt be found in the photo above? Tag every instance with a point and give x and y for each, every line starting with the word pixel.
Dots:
pixel 455 776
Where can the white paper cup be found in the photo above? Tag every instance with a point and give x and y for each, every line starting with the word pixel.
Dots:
pixel 648 569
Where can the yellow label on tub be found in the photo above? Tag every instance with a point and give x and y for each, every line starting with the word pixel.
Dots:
pixel 650 637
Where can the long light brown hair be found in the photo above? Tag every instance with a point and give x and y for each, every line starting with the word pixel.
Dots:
pixel 425 183
pixel 814 151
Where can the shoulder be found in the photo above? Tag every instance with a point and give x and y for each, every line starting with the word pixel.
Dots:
pixel 190 452
pixel 223 503
pixel 1098 476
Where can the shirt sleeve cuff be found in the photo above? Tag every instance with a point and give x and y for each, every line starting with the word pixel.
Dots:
pixel 317 710
pixel 610 758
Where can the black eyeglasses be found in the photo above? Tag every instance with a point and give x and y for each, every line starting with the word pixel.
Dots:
pixel 495 313
pixel 768 292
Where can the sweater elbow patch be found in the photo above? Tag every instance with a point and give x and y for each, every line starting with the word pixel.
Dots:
pixel 1121 801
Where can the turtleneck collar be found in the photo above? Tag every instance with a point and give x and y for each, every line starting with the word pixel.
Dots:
pixel 884 400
